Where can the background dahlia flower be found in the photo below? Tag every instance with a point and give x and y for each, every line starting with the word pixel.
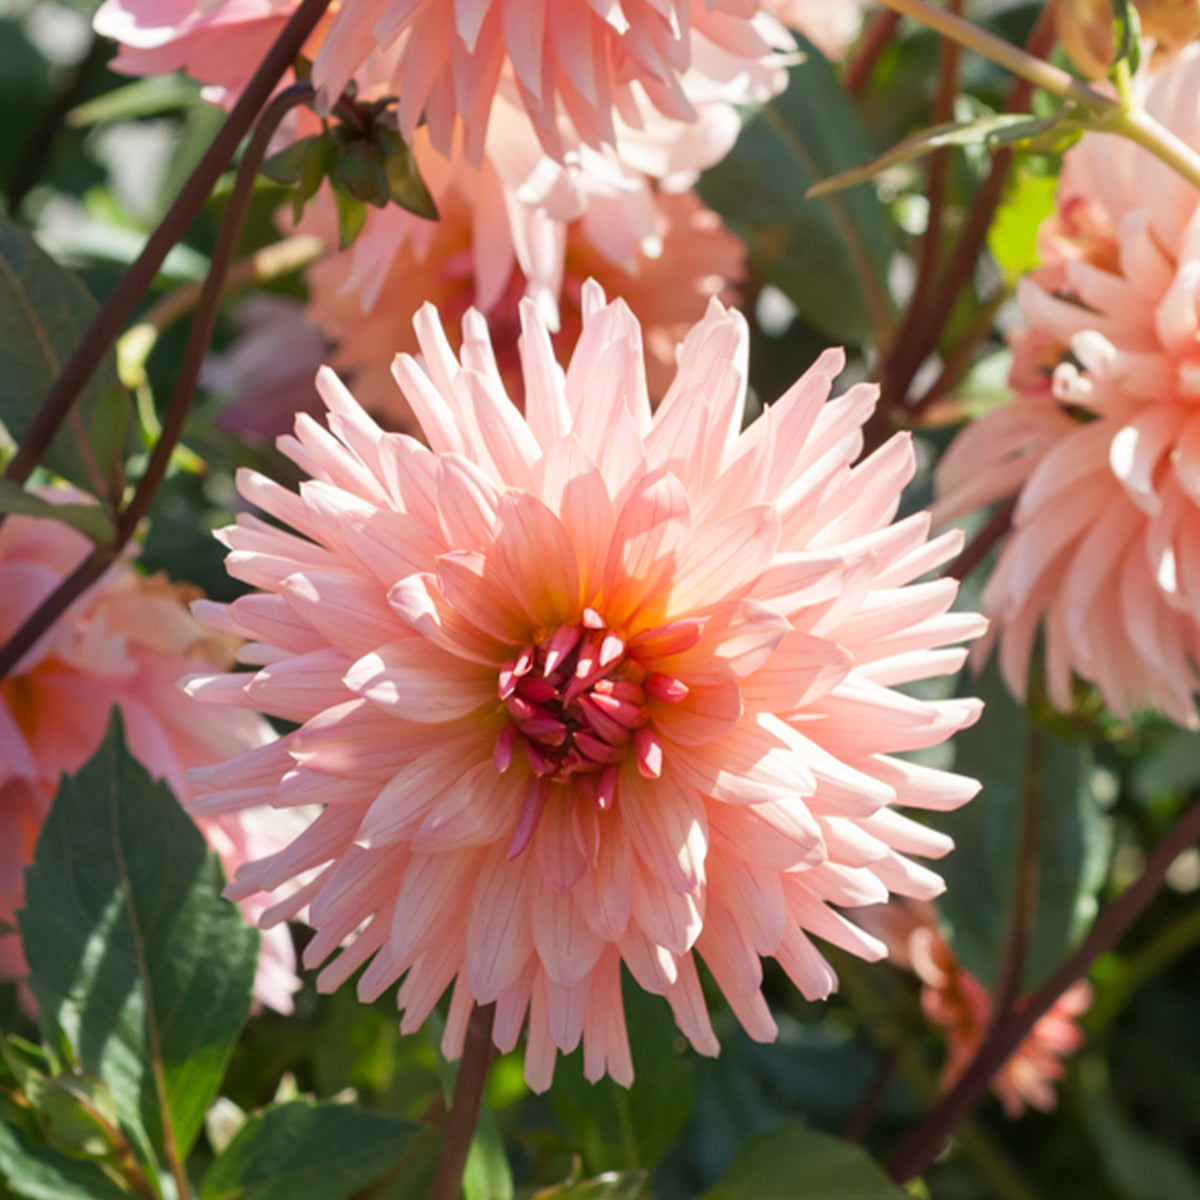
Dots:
pixel 125 643
pixel 590 686
pixel 1101 444
pixel 956 1000
pixel 521 225
pixel 579 71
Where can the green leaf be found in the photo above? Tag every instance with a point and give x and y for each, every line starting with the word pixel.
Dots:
pixel 1138 1165
pixel 990 131
pixel 405 184
pixel 1012 236
pixel 798 244
pixel 132 950
pixel 351 213
pixel 89 519
pixel 40 1173
pixel 307 1151
pixel 141 98
pixel 44 311
pixel 358 167
pixel 980 873
pixel 794 1162
pixel 1127 38
pixel 630 1127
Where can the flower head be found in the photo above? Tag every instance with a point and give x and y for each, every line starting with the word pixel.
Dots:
pixel 957 1001
pixel 124 643
pixel 1101 445
pixel 578 70
pixel 590 686
pixel 521 225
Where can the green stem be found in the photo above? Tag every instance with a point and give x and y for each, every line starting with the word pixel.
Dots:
pixel 1039 72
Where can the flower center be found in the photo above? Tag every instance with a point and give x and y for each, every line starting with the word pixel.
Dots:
pixel 578 702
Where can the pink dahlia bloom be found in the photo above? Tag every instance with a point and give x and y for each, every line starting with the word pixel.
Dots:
pixel 831 25
pixel 954 999
pixel 1101 445
pixel 580 71
pixel 589 686
pixel 665 254
pixel 124 643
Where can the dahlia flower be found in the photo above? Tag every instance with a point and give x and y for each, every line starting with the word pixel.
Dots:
pixel 831 25
pixel 1101 445
pixel 521 225
pixel 124 643
pixel 589 686
pixel 578 72
pixel 954 999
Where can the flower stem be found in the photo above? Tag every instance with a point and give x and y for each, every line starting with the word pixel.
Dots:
pixel 925 1142
pixel 133 284
pixel 102 557
pixel 976 550
pixel 1020 62
pixel 464 1111
pixel 1014 952
pixel 874 41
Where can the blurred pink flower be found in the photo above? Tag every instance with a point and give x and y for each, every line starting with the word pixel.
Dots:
pixel 953 998
pixel 590 686
pixel 504 235
pixel 1101 445
pixel 125 643
pixel 831 25
pixel 578 71
pixel 268 371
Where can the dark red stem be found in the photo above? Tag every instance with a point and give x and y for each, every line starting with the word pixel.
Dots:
pixel 925 1142
pixel 119 306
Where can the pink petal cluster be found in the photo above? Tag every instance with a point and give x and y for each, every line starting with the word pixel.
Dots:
pixel 521 225
pixel 578 70
pixel 831 25
pixel 956 1000
pixel 125 643
pixel 590 686
pixel 1101 444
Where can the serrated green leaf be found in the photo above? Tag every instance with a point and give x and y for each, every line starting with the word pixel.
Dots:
pixel 44 311
pixel 980 874
pixel 89 519
pixel 40 1173
pixel 795 1162
pixel 798 244
pixel 306 1151
pixel 131 948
